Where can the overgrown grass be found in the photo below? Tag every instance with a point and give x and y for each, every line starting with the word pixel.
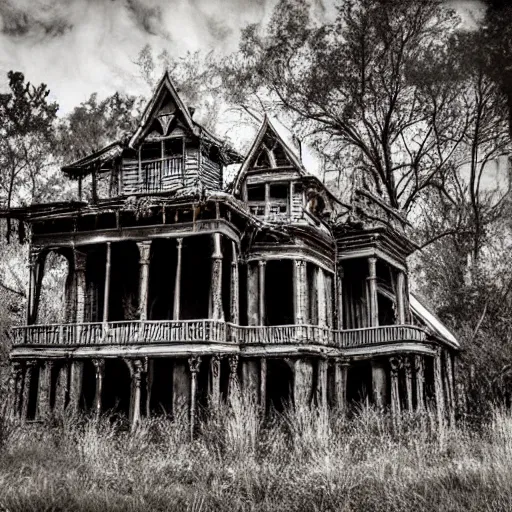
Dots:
pixel 297 461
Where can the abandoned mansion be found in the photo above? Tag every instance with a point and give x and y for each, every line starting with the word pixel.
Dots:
pixel 181 290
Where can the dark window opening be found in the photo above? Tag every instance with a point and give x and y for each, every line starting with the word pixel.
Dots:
pixel 280 157
pixel 279 292
pixel 279 384
pixel 262 160
pixel 173 147
pixel 151 151
pixel 256 192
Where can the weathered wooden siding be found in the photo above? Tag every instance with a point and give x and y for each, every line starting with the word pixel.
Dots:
pixel 210 173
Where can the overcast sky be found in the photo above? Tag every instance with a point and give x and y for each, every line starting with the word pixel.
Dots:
pixel 78 47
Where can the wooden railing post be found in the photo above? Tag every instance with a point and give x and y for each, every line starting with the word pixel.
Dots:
pixel 144 254
pixel 177 281
pixel 372 286
pixel 194 365
pixel 395 364
pixel 235 287
pixel 99 366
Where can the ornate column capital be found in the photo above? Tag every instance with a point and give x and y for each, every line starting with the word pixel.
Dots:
pixel 144 251
pixel 215 365
pixel 408 365
pixel 233 364
pixel 395 364
pixel 99 365
pixel 194 363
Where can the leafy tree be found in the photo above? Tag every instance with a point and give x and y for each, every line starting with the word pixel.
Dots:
pixel 26 140
pixel 94 124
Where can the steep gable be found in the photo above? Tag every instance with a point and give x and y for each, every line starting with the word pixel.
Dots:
pixel 164 111
pixel 269 151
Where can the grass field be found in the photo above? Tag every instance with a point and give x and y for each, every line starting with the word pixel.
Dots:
pixel 296 461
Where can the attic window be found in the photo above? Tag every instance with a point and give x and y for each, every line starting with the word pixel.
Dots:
pixel 256 192
pixel 173 147
pixel 151 151
pixel 280 157
pixel 262 160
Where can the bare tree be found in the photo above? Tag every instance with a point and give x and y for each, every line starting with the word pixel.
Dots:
pixel 377 87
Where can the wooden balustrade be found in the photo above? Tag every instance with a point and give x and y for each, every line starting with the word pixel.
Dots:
pixel 377 335
pixel 190 331
pixel 155 172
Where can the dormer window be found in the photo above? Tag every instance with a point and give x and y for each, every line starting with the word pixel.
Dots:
pixel 278 198
pixel 269 199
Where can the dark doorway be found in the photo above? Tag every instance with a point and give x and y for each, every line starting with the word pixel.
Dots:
pixel 279 384
pixel 359 382
pixel 160 402
pixel 195 277
pixel 124 282
pixel 88 386
pixel 116 387
pixel 279 292
pixel 162 277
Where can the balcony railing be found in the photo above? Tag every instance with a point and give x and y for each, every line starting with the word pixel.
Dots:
pixel 121 333
pixel 157 172
pixel 281 334
pixel 378 335
pixel 208 331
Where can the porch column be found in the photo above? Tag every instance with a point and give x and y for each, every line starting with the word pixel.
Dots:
pixel 233 375
pixel 99 366
pixel 176 310
pixel 43 392
pixel 321 297
pixel 217 312
pixel 235 287
pixel 395 365
pixel 214 382
pixel 438 387
pixel 252 295
pixel 299 289
pixel 340 382
pixel 31 286
pixel 400 297
pixel 339 297
pixel 379 383
pixel 80 264
pixel 36 267
pixel 408 381
pixel 322 384
pixel 27 381
pixel 372 287
pixel 144 253
pixel 419 367
pixel 106 291
pixel 61 390
pixel 136 367
pixel 263 385
pixel 194 364
pixel 261 304
pixel 75 385
pixel 14 390
pixel 450 395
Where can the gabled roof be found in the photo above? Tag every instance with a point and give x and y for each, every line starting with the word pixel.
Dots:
pixel 432 322
pixel 164 87
pixel 84 165
pixel 266 127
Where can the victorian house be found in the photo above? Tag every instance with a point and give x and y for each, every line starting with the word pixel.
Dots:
pixel 179 287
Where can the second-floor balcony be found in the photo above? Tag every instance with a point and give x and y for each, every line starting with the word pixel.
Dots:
pixel 208 331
